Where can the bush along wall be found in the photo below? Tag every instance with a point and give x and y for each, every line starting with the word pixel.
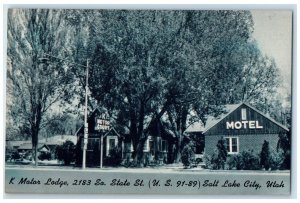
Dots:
pixel 188 155
pixel 218 159
pixel 114 158
pixel 265 155
pixel 246 160
pixel 267 159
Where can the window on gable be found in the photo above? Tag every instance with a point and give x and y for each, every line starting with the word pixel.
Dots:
pixel 244 114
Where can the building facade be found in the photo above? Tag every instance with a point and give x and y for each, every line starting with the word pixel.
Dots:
pixel 244 128
pixel 118 144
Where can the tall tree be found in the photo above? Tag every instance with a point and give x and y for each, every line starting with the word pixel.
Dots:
pixel 146 64
pixel 36 83
pixel 128 78
pixel 203 73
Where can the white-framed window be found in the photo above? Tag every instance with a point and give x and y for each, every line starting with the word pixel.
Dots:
pixel 111 142
pixel 147 144
pixel 131 146
pixel 232 144
pixel 244 114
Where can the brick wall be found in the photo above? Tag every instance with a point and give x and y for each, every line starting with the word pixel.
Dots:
pixel 248 141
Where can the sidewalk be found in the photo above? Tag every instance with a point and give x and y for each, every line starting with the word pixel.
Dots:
pixel 170 168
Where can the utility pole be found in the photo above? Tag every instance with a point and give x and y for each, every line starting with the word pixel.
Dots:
pixel 86 126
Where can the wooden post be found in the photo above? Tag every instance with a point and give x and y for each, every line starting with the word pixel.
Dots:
pixel 101 151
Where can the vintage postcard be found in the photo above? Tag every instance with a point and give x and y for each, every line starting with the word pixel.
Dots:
pixel 165 102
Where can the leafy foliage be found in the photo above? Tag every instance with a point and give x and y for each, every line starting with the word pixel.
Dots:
pixel 114 158
pixel 34 83
pixel 15 155
pixel 66 152
pixel 144 67
pixel 265 155
pixel 218 159
pixel 277 159
pixel 246 160
pixel 188 155
pixel 44 156
pixel 284 145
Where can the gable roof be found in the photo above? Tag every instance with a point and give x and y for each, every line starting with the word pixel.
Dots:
pixel 28 146
pixel 15 143
pixel 211 120
pixel 234 107
pixel 266 116
pixel 195 127
pixel 111 130
pixel 89 117
pixel 214 121
pixel 58 139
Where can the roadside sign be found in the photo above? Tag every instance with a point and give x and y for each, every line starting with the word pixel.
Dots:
pixel 102 124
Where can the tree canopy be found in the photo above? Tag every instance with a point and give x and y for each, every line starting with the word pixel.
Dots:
pixel 35 84
pixel 147 67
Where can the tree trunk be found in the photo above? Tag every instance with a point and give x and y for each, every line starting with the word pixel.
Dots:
pixel 140 135
pixel 35 132
pixel 34 145
pixel 177 150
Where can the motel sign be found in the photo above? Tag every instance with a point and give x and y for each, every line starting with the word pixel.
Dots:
pixel 243 124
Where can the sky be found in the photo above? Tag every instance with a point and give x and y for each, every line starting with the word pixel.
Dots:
pixel 273 32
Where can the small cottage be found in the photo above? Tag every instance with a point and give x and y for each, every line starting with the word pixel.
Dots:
pixel 118 145
pixel 111 139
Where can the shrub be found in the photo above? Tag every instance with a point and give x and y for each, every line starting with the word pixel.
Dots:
pixel 232 162
pixel 44 155
pixel 265 155
pixel 15 155
pixel 276 159
pixel 218 159
pixel 187 155
pixel 207 161
pixel 247 160
pixel 284 144
pixel 66 152
pixel 286 164
pixel 28 155
pixel 114 158
pixel 215 162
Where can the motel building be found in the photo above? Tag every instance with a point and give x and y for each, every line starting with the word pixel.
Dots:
pixel 155 149
pixel 242 126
